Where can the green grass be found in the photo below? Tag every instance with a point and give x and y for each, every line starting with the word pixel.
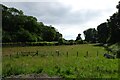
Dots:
pixel 63 66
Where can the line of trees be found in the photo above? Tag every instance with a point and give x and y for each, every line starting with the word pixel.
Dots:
pixel 18 27
pixel 107 32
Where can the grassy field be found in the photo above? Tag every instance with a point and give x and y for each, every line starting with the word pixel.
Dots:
pixel 76 61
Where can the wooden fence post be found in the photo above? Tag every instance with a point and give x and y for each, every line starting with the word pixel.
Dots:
pixel 21 53
pixel 52 53
pixel 17 54
pixel 29 53
pixel 97 53
pixel 77 53
pixel 10 55
pixel 87 54
pixel 57 52
pixel 67 53
pixel 37 53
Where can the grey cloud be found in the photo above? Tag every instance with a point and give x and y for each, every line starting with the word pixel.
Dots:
pixel 55 12
pixel 62 16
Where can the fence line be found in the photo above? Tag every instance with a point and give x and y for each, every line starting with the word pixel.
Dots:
pixel 56 53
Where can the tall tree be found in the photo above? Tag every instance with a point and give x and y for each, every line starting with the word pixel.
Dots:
pixel 90 35
pixel 103 32
pixel 78 37
pixel 18 27
pixel 114 26
pixel 49 33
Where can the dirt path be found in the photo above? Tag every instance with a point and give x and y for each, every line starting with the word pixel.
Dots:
pixel 34 77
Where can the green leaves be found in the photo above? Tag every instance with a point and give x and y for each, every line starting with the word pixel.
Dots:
pixel 22 28
pixel 90 35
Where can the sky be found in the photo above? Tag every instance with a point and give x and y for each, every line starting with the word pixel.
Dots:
pixel 69 17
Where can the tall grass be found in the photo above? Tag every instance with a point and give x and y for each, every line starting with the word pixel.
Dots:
pixel 92 66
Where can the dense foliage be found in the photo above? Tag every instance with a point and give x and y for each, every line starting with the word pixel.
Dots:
pixel 78 37
pixel 18 27
pixel 107 32
pixel 90 35
pixel 103 32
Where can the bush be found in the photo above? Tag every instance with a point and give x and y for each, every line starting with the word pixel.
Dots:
pixel 61 41
pixel 118 54
pixel 6 37
pixel 114 49
pixel 31 44
pixel 79 42
pixel 71 42
pixel 25 36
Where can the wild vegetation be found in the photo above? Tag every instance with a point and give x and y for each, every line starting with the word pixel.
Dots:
pixel 76 61
pixel 107 33
pixel 18 27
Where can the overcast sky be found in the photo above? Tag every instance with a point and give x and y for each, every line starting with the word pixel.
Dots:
pixel 70 17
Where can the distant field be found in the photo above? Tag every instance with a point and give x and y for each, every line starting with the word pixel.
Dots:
pixel 75 61
pixel 72 49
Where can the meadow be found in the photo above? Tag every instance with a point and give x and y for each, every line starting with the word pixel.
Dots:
pixel 65 61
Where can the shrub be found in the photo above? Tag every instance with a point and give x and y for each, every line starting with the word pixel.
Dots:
pixel 61 41
pixel 71 42
pixel 79 42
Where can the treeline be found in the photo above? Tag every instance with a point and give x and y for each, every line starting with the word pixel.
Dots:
pixel 18 27
pixel 107 32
